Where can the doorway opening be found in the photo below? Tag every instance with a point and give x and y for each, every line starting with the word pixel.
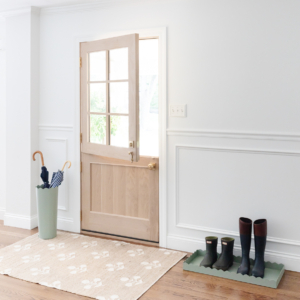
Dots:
pixel 120 196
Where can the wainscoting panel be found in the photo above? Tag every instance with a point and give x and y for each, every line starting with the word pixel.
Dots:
pixel 55 154
pixel 233 182
pixel 214 180
pixel 57 145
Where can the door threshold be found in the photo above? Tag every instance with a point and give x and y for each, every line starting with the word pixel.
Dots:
pixel 119 237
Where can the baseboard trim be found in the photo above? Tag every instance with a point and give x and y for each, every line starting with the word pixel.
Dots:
pixel 27 222
pixel 66 224
pixel 20 221
pixel 290 261
pixel 2 213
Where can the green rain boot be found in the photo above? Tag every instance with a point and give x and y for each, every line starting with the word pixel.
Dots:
pixel 211 254
pixel 225 260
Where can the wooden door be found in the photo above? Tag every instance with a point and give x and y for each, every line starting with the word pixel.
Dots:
pixel 120 197
pixel 119 188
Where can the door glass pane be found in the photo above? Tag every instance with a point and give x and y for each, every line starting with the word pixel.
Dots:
pixel 98 66
pixel 98 97
pixel 118 92
pixel 148 97
pixel 118 62
pixel 119 131
pixel 98 129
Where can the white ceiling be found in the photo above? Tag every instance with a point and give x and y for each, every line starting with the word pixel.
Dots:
pixel 15 4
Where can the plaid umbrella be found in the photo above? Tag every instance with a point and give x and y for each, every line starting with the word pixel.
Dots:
pixel 45 173
pixel 58 177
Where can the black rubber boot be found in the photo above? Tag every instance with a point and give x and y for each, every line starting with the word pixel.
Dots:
pixel 225 260
pixel 245 236
pixel 211 254
pixel 260 240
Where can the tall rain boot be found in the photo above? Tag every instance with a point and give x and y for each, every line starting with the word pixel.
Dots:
pixel 260 239
pixel 225 260
pixel 211 254
pixel 245 236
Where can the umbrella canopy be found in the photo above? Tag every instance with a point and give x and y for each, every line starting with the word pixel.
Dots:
pixel 58 177
pixel 45 173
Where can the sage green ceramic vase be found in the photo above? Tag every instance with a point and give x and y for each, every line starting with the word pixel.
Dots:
pixel 47 212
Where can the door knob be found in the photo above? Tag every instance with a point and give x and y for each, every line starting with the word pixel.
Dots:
pixel 131 153
pixel 152 166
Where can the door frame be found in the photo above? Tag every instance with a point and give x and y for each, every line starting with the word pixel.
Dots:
pixel 161 33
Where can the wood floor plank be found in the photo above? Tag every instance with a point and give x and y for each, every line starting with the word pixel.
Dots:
pixel 174 285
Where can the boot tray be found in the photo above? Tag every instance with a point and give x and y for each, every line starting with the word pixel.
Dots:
pixel 273 271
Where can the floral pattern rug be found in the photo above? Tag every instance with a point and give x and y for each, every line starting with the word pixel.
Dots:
pixel 93 267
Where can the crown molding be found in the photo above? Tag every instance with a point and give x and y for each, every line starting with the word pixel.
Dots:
pixel 74 8
pixel 92 6
pixel 19 11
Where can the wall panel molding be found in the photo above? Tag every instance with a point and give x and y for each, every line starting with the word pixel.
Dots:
pixel 235 233
pixel 55 127
pixel 235 135
pixel 56 141
pixel 65 141
pixel 231 150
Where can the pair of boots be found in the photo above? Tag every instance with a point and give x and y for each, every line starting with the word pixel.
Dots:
pixel 211 260
pixel 260 239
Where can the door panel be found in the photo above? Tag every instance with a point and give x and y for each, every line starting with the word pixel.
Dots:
pixel 110 97
pixel 120 197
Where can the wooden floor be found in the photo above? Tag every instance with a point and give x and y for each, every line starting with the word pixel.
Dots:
pixel 176 284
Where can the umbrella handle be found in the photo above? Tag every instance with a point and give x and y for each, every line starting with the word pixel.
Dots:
pixel 42 157
pixel 65 165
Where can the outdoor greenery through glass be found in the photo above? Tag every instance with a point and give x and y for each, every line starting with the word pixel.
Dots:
pixel 148 86
pixel 118 98
pixel 98 97
pixel 98 129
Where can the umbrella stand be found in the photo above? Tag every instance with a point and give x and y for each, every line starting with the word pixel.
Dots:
pixel 47 202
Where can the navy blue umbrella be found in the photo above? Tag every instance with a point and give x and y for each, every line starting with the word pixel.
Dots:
pixel 45 173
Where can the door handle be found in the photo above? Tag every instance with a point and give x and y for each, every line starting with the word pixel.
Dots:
pixel 131 153
pixel 152 166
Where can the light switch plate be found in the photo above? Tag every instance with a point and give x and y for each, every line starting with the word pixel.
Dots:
pixel 178 110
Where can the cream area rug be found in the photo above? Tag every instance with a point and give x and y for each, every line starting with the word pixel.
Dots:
pixel 93 267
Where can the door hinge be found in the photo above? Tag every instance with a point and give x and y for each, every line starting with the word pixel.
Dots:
pixel 80 62
pixel 81 215
pixel 80 138
pixel 80 166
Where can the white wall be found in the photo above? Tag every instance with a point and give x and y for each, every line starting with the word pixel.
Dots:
pixel 22 103
pixel 2 118
pixel 236 66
